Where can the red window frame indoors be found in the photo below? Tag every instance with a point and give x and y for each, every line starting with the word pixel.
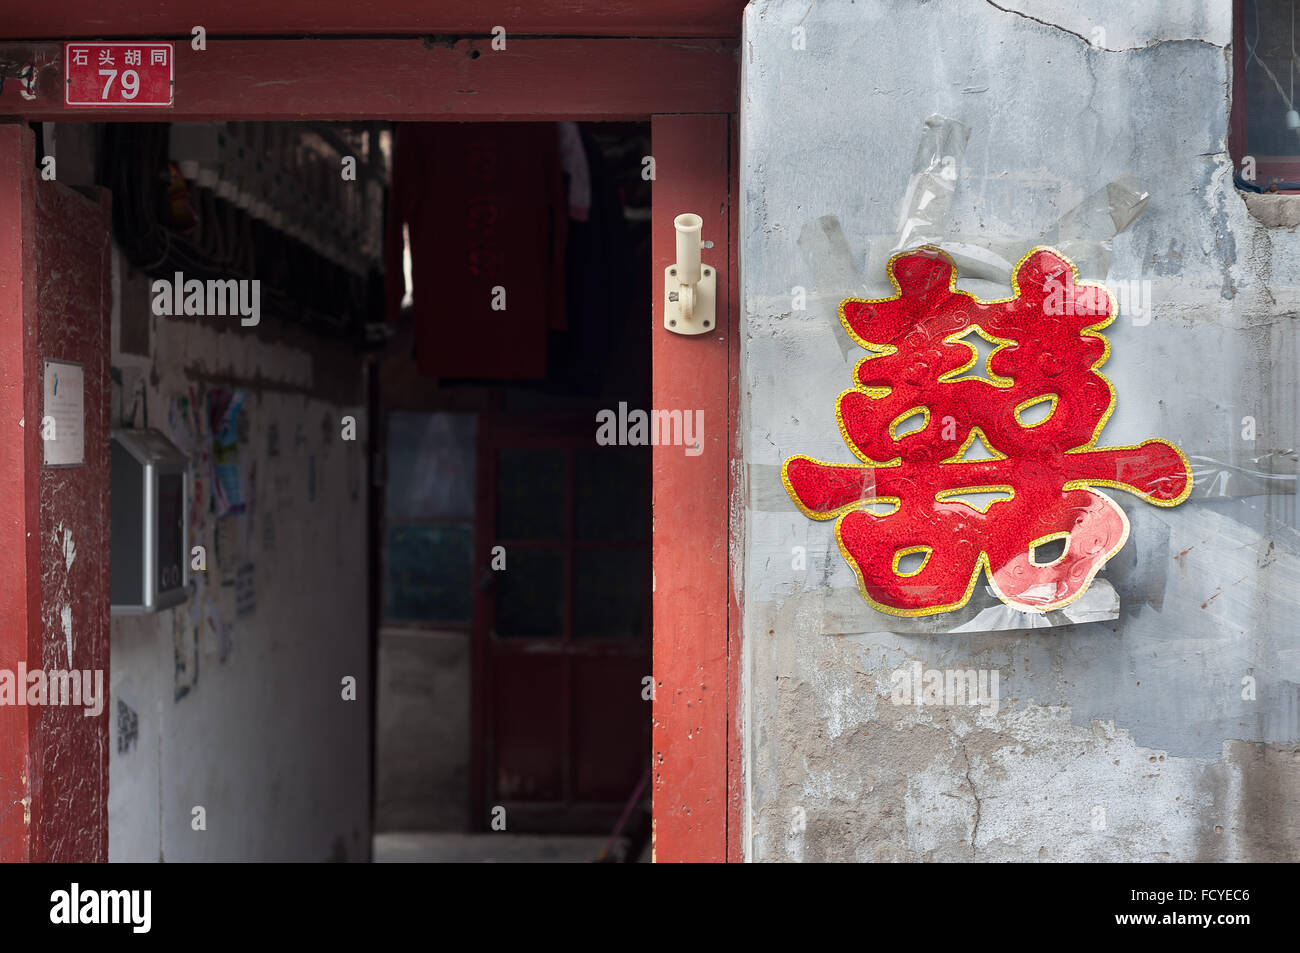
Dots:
pixel 688 89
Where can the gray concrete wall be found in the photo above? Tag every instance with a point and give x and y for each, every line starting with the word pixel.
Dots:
pixel 1126 739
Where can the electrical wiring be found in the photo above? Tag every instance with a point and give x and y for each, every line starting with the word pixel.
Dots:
pixel 224 243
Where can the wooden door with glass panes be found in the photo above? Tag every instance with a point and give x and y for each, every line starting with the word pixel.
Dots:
pixel 562 624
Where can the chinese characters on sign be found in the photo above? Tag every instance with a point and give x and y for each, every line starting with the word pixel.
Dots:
pixel 912 420
pixel 118 74
pixel 63 417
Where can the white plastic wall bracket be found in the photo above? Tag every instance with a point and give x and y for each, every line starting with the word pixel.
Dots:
pixel 690 286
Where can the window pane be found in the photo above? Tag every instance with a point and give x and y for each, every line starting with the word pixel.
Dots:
pixel 431 466
pixel 613 493
pixel 530 494
pixel 1268 27
pixel 530 594
pixel 428 574
pixel 613 594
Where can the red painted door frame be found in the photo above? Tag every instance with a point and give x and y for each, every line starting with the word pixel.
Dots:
pixel 689 90
pixel 691 496
pixel 405 80
pixel 20 460
pixel 84 19
pixel 53 758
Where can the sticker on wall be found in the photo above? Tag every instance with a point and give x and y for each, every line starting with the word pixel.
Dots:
pixel 185 655
pixel 128 727
pixel 227 475
pixel 128 718
pixel 963 473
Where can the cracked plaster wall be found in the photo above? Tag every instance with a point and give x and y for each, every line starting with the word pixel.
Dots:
pixel 1120 740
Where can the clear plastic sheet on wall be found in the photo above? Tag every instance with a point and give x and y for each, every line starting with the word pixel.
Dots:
pixel 924 216
pixel 825 491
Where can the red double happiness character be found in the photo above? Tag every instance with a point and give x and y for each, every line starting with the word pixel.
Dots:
pixel 912 419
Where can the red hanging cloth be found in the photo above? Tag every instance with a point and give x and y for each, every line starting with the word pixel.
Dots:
pixel 485 208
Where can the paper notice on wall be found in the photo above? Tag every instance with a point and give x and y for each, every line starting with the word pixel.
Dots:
pixel 245 591
pixel 63 417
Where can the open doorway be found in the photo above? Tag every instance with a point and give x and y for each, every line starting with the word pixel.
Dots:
pixel 515 546
pixel 413 498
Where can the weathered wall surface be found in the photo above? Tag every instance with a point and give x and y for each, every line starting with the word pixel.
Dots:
pixel 233 701
pixel 74 280
pixel 1127 739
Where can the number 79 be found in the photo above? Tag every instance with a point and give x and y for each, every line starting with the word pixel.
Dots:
pixel 130 83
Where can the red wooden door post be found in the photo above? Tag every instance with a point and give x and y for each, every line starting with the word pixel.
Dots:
pixel 20 449
pixel 55 300
pixel 691 493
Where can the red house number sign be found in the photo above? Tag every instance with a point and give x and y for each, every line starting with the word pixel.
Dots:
pixel 118 74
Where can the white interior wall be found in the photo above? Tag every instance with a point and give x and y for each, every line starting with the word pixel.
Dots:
pixel 263 739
